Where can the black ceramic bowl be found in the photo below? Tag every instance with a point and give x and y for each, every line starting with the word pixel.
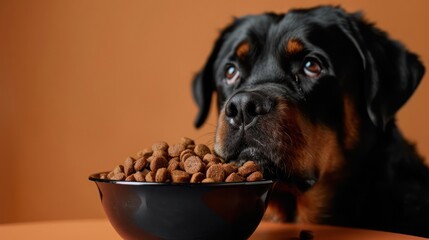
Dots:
pixel 140 210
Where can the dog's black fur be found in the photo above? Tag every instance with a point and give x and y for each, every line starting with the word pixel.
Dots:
pixel 311 96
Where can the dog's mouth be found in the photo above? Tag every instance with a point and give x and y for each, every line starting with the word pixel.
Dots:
pixel 271 169
pixel 257 156
pixel 265 157
pixel 273 140
pixel 262 159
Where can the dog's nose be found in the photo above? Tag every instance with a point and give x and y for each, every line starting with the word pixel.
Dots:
pixel 244 107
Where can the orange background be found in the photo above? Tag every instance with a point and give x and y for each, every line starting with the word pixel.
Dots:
pixel 84 84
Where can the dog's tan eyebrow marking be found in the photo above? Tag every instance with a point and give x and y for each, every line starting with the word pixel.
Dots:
pixel 294 46
pixel 242 50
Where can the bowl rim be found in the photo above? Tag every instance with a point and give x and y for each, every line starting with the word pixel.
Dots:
pixel 93 178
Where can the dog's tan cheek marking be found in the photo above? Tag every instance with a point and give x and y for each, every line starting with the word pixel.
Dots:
pixel 242 50
pixel 325 157
pixel 294 46
pixel 309 148
pixel 221 131
pixel 290 137
pixel 351 123
pixel 313 204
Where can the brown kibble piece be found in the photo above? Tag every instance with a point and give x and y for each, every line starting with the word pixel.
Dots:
pixel 175 150
pixel 130 178
pixel 211 158
pixel 159 153
pixel 182 165
pixel 129 166
pixel 147 152
pixel 255 176
pixel 161 175
pixel 118 176
pixel 248 168
pixel 208 180
pixel 229 168
pixel 140 164
pixel 208 165
pixel 103 175
pixel 187 141
pixel 150 177
pixel 193 165
pixel 110 175
pixel 185 154
pixel 173 164
pixel 197 177
pixel 157 163
pixel 191 147
pixel 161 145
pixel 234 177
pixel 179 176
pixel 140 176
pixel 201 150
pixel 216 172
pixel 118 169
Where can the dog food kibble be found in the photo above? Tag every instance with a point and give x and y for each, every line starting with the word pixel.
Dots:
pixel 147 152
pixel 234 177
pixel 208 180
pixel 255 176
pixel 140 164
pixel 216 173
pixel 157 162
pixel 179 176
pixel 175 150
pixel 160 146
pixel 197 177
pixel 139 176
pixel 161 175
pixel 173 165
pixel 229 168
pixel 130 178
pixel 159 153
pixel 150 177
pixel 184 162
pixel 187 141
pixel 201 150
pixel 193 164
pixel 185 154
pixel 211 158
pixel 129 166
pixel 247 168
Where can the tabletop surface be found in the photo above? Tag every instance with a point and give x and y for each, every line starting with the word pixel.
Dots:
pixel 101 229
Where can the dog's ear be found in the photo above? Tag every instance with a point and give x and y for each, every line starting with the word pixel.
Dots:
pixel 392 73
pixel 202 89
pixel 204 83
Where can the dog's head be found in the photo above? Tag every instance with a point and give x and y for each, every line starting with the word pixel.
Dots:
pixel 298 92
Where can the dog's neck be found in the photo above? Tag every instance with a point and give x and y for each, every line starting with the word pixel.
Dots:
pixel 318 203
pixel 288 204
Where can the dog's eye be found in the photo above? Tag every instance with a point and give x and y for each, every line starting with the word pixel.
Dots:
pixel 231 74
pixel 312 68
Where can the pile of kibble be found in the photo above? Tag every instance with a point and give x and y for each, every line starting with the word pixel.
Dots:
pixel 183 162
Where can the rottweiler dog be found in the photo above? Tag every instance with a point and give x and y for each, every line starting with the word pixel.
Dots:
pixel 311 96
